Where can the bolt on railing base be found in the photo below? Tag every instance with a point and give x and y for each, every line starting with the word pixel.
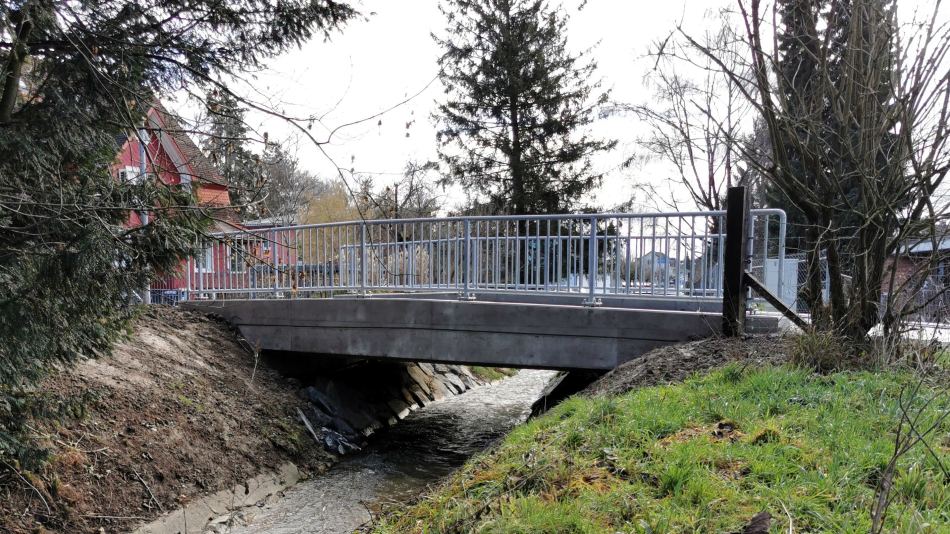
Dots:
pixel 592 303
pixel 469 297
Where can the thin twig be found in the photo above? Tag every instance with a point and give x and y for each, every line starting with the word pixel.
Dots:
pixel 152 495
pixel 791 524
pixel 257 357
pixel 114 517
pixel 80 450
pixel 27 482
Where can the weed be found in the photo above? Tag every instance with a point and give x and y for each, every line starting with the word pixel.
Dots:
pixel 674 477
pixel 819 351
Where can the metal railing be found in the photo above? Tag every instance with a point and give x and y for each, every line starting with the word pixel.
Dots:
pixel 670 255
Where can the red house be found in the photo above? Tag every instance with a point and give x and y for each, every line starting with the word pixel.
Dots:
pixel 172 157
pixel 254 257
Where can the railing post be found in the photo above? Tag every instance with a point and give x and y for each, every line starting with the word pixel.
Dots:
pixel 201 272
pixel 734 268
pixel 273 260
pixel 362 259
pixel 592 301
pixel 782 222
pixel 467 264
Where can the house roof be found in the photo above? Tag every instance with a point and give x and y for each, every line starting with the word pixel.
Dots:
pixel 202 169
pixel 927 246
pixel 266 223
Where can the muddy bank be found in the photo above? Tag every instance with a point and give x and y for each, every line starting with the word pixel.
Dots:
pixel 676 363
pixel 185 412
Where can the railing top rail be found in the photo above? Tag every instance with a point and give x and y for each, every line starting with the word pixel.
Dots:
pixel 490 218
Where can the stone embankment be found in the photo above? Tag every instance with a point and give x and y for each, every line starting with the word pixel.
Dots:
pixel 349 410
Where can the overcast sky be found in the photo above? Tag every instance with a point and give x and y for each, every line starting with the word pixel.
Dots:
pixel 375 64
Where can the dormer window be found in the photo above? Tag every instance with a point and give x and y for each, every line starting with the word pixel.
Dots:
pixel 132 174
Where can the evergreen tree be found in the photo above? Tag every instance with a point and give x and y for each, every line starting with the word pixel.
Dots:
pixel 226 144
pixel 513 128
pixel 805 24
pixel 75 77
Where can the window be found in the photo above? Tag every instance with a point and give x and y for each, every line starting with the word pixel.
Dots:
pixel 237 260
pixel 205 262
pixel 130 173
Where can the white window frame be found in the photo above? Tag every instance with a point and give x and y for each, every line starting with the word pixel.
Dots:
pixel 205 263
pixel 236 261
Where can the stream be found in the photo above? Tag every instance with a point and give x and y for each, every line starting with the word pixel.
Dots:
pixel 399 463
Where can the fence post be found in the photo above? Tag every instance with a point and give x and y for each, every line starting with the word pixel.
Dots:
pixel 363 258
pixel 782 222
pixel 467 266
pixel 273 259
pixel 592 264
pixel 734 289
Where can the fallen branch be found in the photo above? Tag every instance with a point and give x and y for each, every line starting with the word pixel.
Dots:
pixel 307 424
pixel 149 490
pixel 27 482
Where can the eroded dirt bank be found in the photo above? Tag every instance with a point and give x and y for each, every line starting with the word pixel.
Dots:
pixel 189 424
pixel 183 414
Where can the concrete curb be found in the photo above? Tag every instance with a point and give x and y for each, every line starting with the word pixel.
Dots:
pixel 208 512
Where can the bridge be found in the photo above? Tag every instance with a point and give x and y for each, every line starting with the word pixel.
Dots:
pixel 560 291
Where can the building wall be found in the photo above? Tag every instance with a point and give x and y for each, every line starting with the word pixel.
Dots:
pixel 208 194
pixel 906 268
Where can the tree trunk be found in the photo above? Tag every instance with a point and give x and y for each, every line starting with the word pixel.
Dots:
pixel 812 292
pixel 14 69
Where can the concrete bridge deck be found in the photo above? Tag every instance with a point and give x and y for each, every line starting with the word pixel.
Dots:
pixel 435 329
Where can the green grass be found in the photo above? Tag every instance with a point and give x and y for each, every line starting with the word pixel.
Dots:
pixel 703 456
pixel 490 374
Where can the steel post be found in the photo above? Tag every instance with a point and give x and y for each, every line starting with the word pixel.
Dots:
pixel 782 222
pixel 467 263
pixel 362 259
pixel 273 260
pixel 592 301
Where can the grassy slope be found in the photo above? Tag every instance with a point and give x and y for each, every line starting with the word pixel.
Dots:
pixel 661 460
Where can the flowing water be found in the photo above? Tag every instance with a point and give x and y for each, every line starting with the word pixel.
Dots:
pixel 425 446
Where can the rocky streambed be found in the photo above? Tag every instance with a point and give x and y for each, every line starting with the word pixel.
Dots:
pixel 399 462
pixel 348 406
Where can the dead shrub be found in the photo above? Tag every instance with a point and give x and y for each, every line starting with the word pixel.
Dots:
pixel 822 352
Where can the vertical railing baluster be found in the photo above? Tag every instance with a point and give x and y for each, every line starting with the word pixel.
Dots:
pixel 782 221
pixel 592 267
pixel 363 258
pixel 467 261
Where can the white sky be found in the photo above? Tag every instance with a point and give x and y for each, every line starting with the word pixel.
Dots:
pixel 377 63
